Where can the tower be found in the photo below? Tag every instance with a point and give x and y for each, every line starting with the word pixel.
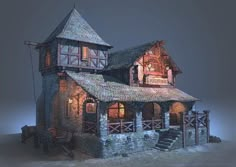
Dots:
pixel 73 46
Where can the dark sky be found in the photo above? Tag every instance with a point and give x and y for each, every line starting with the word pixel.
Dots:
pixel 199 35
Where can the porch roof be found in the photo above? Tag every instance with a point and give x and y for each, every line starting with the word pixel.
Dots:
pixel 106 88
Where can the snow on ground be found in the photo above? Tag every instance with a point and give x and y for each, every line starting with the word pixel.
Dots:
pixel 15 154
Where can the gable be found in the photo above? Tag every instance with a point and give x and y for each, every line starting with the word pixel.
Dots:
pixel 126 58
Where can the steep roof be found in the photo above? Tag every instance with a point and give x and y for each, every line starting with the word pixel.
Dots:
pixel 125 58
pixel 106 88
pixel 75 27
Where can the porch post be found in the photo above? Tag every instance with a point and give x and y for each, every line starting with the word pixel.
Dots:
pixel 139 123
pixel 206 112
pixel 102 125
pixel 165 115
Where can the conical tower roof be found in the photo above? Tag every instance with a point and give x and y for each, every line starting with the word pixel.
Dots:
pixel 75 27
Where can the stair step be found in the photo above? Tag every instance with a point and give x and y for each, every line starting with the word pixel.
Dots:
pixel 167 140
pixel 161 149
pixel 162 146
pixel 165 143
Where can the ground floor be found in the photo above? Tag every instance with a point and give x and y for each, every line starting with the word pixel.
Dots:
pixel 13 153
pixel 109 119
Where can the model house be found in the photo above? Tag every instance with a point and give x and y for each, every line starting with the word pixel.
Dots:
pixel 115 103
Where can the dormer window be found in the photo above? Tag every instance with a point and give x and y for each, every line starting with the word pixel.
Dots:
pixel 84 53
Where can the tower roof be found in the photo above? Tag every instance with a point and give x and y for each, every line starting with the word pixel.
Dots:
pixel 75 27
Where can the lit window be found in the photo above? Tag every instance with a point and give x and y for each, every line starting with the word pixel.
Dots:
pixel 177 107
pixel 116 111
pixel 84 53
pixel 48 58
pixel 63 85
pixel 90 107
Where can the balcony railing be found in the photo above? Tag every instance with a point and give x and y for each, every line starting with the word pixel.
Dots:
pixel 89 127
pixel 152 124
pixel 121 126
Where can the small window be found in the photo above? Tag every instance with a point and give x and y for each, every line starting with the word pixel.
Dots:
pixel 72 107
pixel 116 111
pixel 63 85
pixel 48 58
pixel 84 53
pixel 90 107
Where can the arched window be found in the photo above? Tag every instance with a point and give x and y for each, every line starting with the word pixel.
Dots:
pixel 175 110
pixel 151 110
pixel 90 106
pixel 177 107
pixel 116 111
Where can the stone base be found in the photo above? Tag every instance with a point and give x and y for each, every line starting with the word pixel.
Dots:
pixel 116 144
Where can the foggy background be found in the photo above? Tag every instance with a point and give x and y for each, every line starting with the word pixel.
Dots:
pixel 199 35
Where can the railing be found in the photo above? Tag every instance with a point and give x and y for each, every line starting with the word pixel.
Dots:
pixel 152 124
pixel 195 120
pixel 89 127
pixel 121 126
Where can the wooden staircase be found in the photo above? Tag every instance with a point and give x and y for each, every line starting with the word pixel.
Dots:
pixel 168 139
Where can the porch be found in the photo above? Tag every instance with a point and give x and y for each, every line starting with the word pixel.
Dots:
pixel 123 126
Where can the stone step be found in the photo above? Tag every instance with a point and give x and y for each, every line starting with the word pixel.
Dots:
pixel 165 143
pixel 167 140
pixel 170 137
pixel 162 146
pixel 161 149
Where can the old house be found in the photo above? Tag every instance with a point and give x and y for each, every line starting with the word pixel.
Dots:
pixel 115 103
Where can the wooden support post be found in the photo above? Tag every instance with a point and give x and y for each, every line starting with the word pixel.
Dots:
pixel 134 125
pixel 152 123
pixel 183 128
pixel 207 124
pixel 196 128
pixel 121 126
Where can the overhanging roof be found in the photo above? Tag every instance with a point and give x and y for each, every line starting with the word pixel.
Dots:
pixel 75 27
pixel 106 88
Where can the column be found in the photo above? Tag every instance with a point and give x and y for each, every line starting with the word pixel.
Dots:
pixel 165 115
pixel 139 123
pixel 207 124
pixel 102 125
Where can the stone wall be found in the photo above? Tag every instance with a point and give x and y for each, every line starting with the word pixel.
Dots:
pixel 190 136
pixel 116 144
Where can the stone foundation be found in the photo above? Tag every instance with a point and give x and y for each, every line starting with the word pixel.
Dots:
pixel 116 144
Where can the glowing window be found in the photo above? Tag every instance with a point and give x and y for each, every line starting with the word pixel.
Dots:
pixel 116 111
pixel 63 85
pixel 48 58
pixel 177 107
pixel 90 107
pixel 84 53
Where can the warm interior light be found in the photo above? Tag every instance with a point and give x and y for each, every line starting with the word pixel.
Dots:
pixel 70 101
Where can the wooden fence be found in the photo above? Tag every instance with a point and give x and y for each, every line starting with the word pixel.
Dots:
pixel 152 124
pixel 195 120
pixel 121 126
pixel 89 127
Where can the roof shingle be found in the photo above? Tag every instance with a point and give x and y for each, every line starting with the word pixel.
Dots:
pixel 125 58
pixel 75 27
pixel 106 88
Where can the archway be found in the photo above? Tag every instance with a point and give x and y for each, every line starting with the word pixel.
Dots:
pixel 89 116
pixel 175 109
pixel 151 111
